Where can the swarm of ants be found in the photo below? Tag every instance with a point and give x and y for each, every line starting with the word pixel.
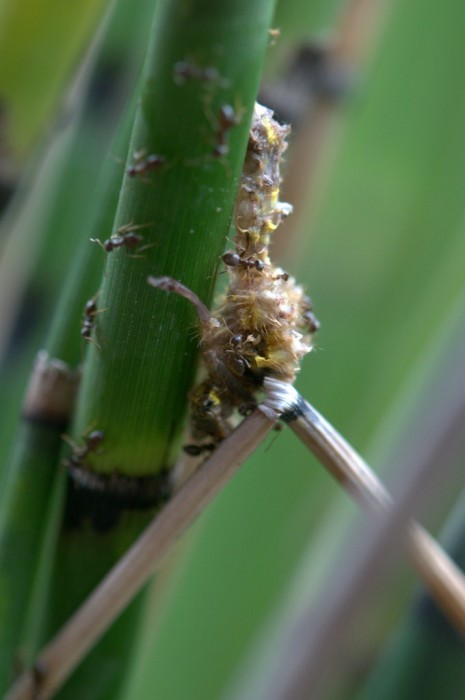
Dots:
pixel 264 323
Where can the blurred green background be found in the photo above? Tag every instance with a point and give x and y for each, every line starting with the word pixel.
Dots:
pixel 380 246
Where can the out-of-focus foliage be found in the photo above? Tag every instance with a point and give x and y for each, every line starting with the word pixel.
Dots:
pixel 383 261
pixel 41 45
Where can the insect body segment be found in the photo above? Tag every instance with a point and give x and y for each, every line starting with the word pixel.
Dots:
pixel 92 443
pixel 130 241
pixel 145 164
pixel 125 237
pixel 89 319
pixel 233 259
pixel 90 310
pixel 188 70
pixel 227 120
pixel 263 325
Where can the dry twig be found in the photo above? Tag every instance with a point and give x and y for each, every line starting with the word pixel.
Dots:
pixel 63 653
pixel 440 575
pixel 444 579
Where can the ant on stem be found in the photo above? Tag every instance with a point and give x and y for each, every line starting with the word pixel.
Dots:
pixel 232 259
pixel 184 71
pixel 125 237
pixel 142 165
pixel 92 442
pixel 228 118
pixel 88 322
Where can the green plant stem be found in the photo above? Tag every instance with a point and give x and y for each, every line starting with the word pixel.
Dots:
pixel 67 648
pixel 32 467
pixel 146 347
pixel 146 555
pixel 64 340
pixel 140 363
pixel 36 451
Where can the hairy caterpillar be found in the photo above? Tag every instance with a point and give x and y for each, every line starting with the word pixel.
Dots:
pixel 263 325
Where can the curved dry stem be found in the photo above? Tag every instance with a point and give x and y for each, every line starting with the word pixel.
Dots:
pixel 85 627
pixel 169 284
pixel 443 578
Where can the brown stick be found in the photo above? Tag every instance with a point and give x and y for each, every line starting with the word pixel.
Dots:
pixel 443 578
pixel 313 637
pixel 85 627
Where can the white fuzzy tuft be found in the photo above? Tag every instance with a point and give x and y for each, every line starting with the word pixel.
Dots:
pixel 279 397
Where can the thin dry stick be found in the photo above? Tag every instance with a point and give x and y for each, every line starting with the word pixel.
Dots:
pixel 443 578
pixel 316 636
pixel 84 628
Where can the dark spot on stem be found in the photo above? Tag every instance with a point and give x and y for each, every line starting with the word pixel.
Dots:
pixel 297 411
pixel 100 499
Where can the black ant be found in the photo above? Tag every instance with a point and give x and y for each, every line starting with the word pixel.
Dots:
pixel 184 71
pixel 92 442
pixel 87 325
pixel 232 259
pixel 129 240
pixel 197 450
pixel 125 237
pixel 227 120
pixel 142 165
pixel 309 317
pixel 311 321
pixel 90 310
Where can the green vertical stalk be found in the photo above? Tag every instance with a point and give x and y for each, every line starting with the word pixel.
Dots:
pixel 135 384
pixel 140 363
pixel 32 466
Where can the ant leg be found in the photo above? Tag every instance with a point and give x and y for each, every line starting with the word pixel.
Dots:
pixel 169 284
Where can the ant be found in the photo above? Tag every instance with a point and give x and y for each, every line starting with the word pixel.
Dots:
pixel 125 237
pixel 90 310
pixel 87 325
pixel 227 120
pixel 309 317
pixel 197 450
pixel 129 240
pixel 184 71
pixel 92 442
pixel 232 259
pixel 142 165
pixel 311 321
